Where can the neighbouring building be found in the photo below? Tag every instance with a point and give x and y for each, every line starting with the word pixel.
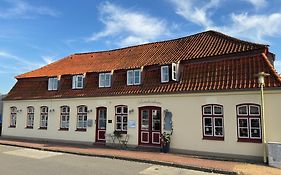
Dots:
pixel 205 83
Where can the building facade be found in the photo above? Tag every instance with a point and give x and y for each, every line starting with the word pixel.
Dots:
pixel 205 85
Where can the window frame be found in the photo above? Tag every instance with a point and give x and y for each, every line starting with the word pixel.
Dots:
pixel 249 117
pixel 13 117
pixel 84 115
pixel 75 81
pixel 28 117
pixel 213 117
pixel 44 116
pixel 122 115
pixel 102 81
pixel 66 115
pixel 53 83
pixel 167 74
pixel 132 80
pixel 175 71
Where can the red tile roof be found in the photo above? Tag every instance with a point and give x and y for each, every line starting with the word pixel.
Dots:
pixel 210 61
pixel 201 45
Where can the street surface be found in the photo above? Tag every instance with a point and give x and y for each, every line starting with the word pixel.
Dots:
pixel 23 161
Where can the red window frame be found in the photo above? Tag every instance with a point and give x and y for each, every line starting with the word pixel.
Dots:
pixel 214 123
pixel 13 115
pixel 248 117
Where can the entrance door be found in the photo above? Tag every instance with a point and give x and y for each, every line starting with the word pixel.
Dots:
pixel 149 126
pixel 101 124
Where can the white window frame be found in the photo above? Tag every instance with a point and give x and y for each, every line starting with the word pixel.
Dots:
pixel 165 74
pixel 246 110
pixel 175 71
pixel 82 124
pixel 254 114
pixel 64 124
pixel 213 112
pixel 132 80
pixel 208 126
pixel 210 106
pixel 214 131
pixel 122 115
pixel 105 80
pixel 243 118
pixel 30 117
pixel 53 84
pixel 250 127
pixel 76 81
pixel 44 117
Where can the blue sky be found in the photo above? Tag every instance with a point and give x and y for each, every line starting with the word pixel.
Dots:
pixel 34 33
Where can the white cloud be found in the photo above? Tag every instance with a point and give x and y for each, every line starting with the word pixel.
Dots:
pixel 21 9
pixel 133 27
pixel 48 59
pixel 258 3
pixel 195 11
pixel 253 27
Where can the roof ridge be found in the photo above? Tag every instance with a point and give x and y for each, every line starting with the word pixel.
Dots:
pixel 144 44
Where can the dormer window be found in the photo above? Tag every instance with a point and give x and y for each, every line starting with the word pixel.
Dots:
pixel 104 79
pixel 77 82
pixel 134 77
pixel 164 74
pixel 53 84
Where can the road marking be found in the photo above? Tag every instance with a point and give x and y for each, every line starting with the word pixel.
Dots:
pixel 32 153
pixel 165 170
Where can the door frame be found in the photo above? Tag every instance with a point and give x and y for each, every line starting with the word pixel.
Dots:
pixel 150 132
pixel 97 140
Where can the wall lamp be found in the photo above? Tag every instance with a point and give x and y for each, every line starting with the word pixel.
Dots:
pixel 131 111
pixel 52 110
pixel 89 111
pixel 19 110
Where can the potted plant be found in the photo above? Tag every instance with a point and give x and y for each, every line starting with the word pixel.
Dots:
pixel 165 142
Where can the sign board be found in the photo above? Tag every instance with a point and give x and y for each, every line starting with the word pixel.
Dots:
pixel 132 123
pixel 90 122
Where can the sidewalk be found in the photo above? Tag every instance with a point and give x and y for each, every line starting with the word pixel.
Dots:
pixel 176 160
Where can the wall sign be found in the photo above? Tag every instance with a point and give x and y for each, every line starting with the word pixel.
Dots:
pixel 132 123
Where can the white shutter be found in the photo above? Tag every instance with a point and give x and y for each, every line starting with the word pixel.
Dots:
pixel 100 80
pixel 74 81
pixel 49 84
pixel 55 83
pixel 174 71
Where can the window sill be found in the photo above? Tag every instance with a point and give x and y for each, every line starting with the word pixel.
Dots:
pixel 43 128
pixel 11 126
pixel 28 127
pixel 249 140
pixel 63 129
pixel 81 129
pixel 213 138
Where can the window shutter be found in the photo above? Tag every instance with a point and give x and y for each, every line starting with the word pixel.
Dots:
pixel 74 82
pixel 100 80
pixel 174 71
pixel 109 80
pixel 49 84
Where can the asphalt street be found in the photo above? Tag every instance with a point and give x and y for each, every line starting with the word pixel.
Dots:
pixel 23 161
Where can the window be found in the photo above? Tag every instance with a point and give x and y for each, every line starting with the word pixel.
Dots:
pixel 213 127
pixel 64 117
pixel 30 117
pixel 175 71
pixel 44 117
pixel 164 74
pixel 249 123
pixel 13 117
pixel 104 79
pixel 53 84
pixel 134 77
pixel 121 117
pixel 77 81
pixel 81 118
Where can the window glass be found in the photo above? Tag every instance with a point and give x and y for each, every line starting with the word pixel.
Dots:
pixel 217 110
pixel 242 110
pixel 53 83
pixel 254 110
pixel 164 74
pixel 145 119
pixel 208 129
pixel 102 119
pixel 121 118
pixel 156 120
pixel 130 77
pixel 207 110
pixel 137 76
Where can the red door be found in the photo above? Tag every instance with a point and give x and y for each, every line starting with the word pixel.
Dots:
pixel 101 124
pixel 149 126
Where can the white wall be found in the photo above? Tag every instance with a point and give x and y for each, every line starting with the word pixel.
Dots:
pixel 187 118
